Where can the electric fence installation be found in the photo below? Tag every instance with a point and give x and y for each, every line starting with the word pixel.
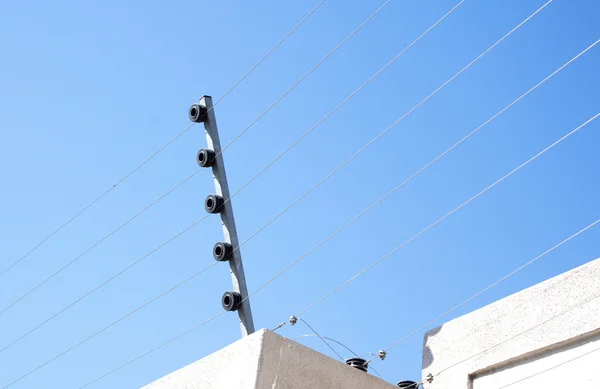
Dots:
pixel 220 203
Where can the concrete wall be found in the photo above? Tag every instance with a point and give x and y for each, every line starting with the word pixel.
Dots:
pixel 266 360
pixel 235 366
pixel 546 336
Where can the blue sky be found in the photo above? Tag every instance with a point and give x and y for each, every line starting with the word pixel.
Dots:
pixel 88 90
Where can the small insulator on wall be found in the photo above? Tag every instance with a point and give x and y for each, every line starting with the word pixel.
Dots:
pixel 408 384
pixel 358 363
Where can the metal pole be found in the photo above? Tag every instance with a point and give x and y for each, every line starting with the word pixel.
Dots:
pixel 227 219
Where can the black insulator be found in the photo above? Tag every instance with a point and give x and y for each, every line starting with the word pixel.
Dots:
pixel 205 158
pixel 231 301
pixel 358 363
pixel 213 203
pixel 408 384
pixel 222 251
pixel 197 113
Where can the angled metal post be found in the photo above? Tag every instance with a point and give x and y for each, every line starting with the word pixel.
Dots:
pixel 227 220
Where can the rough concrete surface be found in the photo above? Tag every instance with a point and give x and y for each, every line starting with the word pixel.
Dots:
pixel 266 360
pixel 542 337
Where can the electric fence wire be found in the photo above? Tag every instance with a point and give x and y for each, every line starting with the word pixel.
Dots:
pixel 125 177
pixel 149 351
pixel 324 341
pixel 331 340
pixel 198 171
pixel 425 167
pixel 512 273
pixel 462 140
pixel 39 285
pixel 103 328
pixel 447 215
pixel 381 134
pixel 447 81
pixel 247 183
pixel 343 42
pixel 387 255
pixel 119 273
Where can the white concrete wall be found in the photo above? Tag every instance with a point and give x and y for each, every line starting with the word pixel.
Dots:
pixel 525 340
pixel 266 360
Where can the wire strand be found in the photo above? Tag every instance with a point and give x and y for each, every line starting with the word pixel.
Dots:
pixel 330 339
pixel 229 144
pixel 512 273
pixel 96 244
pixel 305 76
pixel 271 51
pixel 95 289
pixel 446 216
pixel 152 350
pixel 324 341
pixel 470 64
pixel 103 328
pixel 162 147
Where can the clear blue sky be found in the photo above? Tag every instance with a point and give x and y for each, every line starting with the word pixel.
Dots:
pixel 89 89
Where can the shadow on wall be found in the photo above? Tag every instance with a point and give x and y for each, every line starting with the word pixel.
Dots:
pixel 427 354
